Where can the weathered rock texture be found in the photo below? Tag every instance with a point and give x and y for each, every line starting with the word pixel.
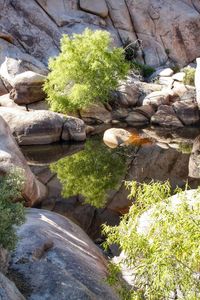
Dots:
pixel 166 28
pixel 60 261
pixel 194 162
pixel 27 88
pixel 8 290
pixel 42 127
pixel 161 163
pixel 197 81
pixel 11 156
pixel 4 259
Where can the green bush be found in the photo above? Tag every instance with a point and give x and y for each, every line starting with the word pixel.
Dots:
pixel 86 71
pixel 144 70
pixel 164 257
pixel 189 76
pixel 185 148
pixel 131 49
pixel 11 213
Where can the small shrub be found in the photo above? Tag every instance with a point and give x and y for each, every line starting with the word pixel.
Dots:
pixel 11 214
pixel 167 51
pixel 131 52
pixel 176 68
pixel 115 279
pixel 131 49
pixel 164 257
pixel 144 70
pixel 86 71
pixel 189 76
pixel 185 148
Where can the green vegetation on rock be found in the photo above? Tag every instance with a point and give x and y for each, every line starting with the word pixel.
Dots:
pixel 189 76
pixel 144 70
pixel 11 213
pixel 160 241
pixel 86 71
pixel 131 50
pixel 185 148
pixel 91 173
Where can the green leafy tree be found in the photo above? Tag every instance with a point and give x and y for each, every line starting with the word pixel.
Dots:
pixel 86 71
pixel 164 254
pixel 11 213
pixel 91 172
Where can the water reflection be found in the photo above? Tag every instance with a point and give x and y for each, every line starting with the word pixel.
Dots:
pixel 92 173
pixel 171 156
pixel 45 154
pixel 93 169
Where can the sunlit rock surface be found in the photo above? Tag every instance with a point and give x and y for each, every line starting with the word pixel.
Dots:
pixel 37 25
pixel 57 260
pixel 42 127
pixel 10 156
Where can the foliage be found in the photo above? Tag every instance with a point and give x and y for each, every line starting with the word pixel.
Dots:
pixel 86 71
pixel 185 148
pixel 11 213
pixel 131 53
pixel 144 70
pixel 131 49
pixel 115 279
pixel 167 51
pixel 176 68
pixel 164 254
pixel 189 76
pixel 91 172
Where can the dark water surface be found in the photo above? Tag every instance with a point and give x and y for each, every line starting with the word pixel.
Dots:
pixel 91 175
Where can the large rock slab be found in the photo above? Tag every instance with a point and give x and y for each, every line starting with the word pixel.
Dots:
pixel 97 7
pixel 96 113
pixel 8 290
pixel 13 61
pixel 66 13
pixel 136 118
pixel 74 130
pixel 60 261
pixel 37 26
pixel 184 92
pixel 120 15
pixel 27 88
pixel 33 30
pixel 6 101
pixel 11 156
pixel 42 127
pixel 165 116
pixel 187 111
pixel 157 98
pixel 159 29
pixel 128 94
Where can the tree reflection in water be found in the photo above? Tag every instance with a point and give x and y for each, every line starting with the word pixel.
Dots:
pixel 92 172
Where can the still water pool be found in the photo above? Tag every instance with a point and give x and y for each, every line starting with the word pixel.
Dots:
pixel 87 180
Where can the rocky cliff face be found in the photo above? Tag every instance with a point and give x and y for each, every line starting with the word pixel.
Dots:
pixel 167 29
